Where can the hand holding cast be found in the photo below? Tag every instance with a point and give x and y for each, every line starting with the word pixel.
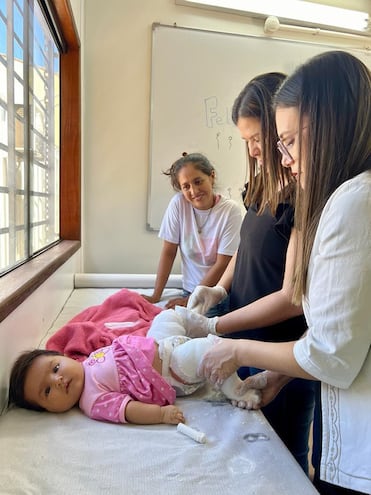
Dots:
pixel 220 361
pixel 196 325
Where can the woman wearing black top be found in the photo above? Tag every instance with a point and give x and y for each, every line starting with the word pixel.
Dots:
pixel 260 308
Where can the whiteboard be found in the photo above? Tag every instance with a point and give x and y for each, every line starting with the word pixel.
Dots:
pixel 196 75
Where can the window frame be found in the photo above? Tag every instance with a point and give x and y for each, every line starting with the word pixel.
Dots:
pixel 18 284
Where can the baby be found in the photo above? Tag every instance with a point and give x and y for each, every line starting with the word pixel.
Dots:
pixel 135 379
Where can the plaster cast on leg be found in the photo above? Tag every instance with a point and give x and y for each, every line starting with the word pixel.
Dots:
pixel 166 324
pixel 187 357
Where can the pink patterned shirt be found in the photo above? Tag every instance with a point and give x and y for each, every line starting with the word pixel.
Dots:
pixel 119 373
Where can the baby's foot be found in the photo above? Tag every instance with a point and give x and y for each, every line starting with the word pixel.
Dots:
pixel 248 400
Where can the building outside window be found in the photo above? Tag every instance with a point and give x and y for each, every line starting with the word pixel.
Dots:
pixel 29 133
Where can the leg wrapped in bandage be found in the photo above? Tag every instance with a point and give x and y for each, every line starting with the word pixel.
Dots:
pixel 166 324
pixel 186 359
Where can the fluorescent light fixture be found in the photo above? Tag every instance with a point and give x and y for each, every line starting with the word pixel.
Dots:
pixel 294 11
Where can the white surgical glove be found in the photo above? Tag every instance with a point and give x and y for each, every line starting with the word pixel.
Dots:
pixel 203 298
pixel 196 325
pixel 250 391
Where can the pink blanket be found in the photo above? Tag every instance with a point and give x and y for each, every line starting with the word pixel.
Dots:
pixel 122 313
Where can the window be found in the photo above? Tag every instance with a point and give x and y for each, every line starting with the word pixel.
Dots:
pixel 29 133
pixel 19 283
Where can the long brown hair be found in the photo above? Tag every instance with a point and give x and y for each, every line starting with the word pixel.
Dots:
pixel 255 101
pixel 332 91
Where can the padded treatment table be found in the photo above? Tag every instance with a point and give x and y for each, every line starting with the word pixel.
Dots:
pixel 44 453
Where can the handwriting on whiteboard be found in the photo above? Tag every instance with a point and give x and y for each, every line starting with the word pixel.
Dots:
pixel 215 115
pixel 219 117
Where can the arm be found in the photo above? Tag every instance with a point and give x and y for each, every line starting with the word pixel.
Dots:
pixel 151 414
pixel 268 310
pixel 167 257
pixel 227 277
pixel 209 280
pixel 226 241
pixel 216 271
pixel 275 356
pixel 338 290
pixel 227 355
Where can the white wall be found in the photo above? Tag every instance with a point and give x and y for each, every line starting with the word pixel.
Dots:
pixel 116 96
pixel 77 9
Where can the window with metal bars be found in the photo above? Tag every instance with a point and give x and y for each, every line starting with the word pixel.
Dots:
pixel 29 132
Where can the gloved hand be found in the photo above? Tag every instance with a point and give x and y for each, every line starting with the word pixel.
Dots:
pixel 203 298
pixel 270 383
pixel 196 325
pixel 252 384
pixel 220 361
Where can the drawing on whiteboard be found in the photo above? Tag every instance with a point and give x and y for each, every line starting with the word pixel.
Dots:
pixel 227 141
pixel 217 139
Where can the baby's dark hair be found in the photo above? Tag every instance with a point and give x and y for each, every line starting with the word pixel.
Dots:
pixel 199 161
pixel 18 377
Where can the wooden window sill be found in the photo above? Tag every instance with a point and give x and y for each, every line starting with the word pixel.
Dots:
pixel 17 285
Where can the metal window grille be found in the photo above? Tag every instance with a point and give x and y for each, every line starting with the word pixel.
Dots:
pixel 29 133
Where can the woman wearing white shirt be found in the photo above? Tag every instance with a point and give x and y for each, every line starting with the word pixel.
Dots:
pixel 203 225
pixel 323 115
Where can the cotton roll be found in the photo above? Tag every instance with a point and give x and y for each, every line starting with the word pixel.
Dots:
pixel 196 435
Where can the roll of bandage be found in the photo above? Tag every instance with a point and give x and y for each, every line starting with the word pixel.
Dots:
pixel 196 435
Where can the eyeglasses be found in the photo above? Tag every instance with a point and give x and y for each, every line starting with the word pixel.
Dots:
pixel 284 151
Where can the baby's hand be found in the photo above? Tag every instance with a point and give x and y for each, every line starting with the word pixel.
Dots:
pixel 171 415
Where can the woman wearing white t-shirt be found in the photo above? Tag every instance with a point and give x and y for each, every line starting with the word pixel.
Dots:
pixel 202 224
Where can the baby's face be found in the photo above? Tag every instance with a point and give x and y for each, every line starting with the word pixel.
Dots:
pixel 54 382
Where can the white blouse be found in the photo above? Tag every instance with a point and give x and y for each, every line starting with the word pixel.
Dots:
pixel 336 348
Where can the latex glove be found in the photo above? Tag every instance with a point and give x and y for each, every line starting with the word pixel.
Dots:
pixel 203 298
pixel 270 384
pixel 220 361
pixel 196 325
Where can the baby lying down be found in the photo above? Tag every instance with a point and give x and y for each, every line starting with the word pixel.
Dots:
pixel 135 379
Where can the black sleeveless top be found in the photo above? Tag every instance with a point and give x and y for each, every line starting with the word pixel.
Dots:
pixel 260 267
